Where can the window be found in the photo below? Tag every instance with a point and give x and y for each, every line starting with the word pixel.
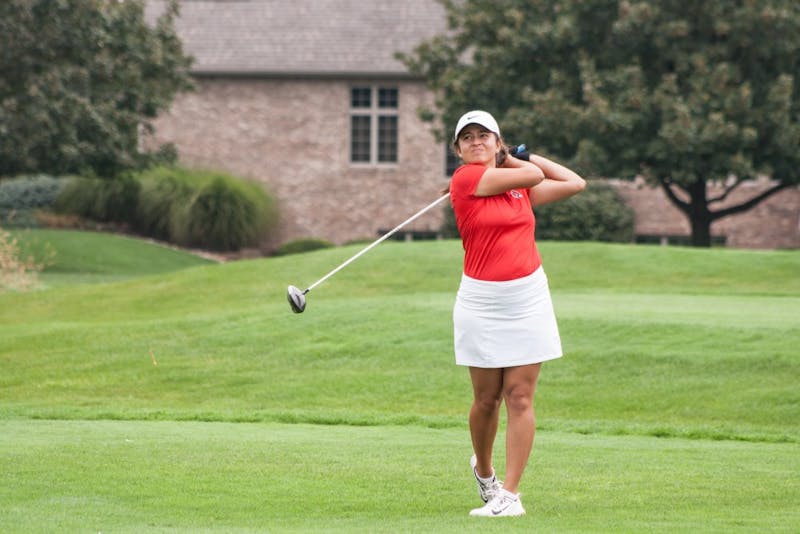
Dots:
pixel 387 98
pixel 387 139
pixel 361 97
pixel 373 124
pixel 360 138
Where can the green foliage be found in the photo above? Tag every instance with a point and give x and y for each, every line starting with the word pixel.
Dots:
pixel 20 197
pixel 204 209
pixel 79 81
pixel 102 200
pixel 597 214
pixel 302 245
pixel 163 191
pixel 223 214
pixel 682 93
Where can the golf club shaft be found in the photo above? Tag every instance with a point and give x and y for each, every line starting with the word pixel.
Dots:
pixel 385 236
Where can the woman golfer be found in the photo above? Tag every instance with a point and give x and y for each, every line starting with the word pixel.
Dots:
pixel 504 325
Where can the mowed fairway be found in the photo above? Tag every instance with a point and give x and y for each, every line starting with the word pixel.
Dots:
pixel 192 399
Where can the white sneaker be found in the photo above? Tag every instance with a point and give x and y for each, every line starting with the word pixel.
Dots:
pixel 503 504
pixel 485 491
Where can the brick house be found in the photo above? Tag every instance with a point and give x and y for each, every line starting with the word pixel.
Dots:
pixel 307 98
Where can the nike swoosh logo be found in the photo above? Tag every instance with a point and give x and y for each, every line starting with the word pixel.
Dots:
pixel 498 511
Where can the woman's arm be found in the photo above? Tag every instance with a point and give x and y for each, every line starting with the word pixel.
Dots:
pixel 559 183
pixel 514 174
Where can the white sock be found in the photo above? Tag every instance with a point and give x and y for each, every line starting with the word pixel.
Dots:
pixel 485 480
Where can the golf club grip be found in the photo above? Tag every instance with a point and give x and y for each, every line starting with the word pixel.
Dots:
pixel 384 237
pixel 520 152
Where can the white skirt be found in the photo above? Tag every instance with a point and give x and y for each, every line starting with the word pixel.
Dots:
pixel 505 324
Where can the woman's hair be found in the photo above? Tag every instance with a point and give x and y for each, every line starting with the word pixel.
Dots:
pixel 501 156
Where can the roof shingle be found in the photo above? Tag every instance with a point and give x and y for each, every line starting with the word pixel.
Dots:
pixel 303 37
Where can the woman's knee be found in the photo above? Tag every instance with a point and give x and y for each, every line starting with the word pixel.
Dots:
pixel 487 402
pixel 519 387
pixel 519 399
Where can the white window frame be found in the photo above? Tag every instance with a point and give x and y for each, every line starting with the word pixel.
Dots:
pixel 374 112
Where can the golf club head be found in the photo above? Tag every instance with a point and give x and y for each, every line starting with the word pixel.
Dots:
pixel 296 298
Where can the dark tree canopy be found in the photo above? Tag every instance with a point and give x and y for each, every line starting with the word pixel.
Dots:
pixel 682 93
pixel 79 80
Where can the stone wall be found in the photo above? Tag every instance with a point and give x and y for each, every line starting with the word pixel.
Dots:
pixel 293 137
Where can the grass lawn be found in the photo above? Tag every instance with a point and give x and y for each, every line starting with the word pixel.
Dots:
pixel 189 397
pixel 130 476
pixel 91 257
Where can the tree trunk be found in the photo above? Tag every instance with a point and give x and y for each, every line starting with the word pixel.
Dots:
pixel 697 209
pixel 701 231
pixel 699 215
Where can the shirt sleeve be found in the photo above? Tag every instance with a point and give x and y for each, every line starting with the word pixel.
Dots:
pixel 465 180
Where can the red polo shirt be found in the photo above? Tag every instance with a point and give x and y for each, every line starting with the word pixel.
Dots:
pixel 497 231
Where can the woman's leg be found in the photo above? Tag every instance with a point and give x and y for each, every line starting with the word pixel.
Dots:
pixel 487 389
pixel 519 386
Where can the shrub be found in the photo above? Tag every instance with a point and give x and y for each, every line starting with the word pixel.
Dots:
pixel 22 196
pixel 163 191
pixel 103 200
pixel 302 245
pixel 202 209
pixel 597 214
pixel 224 214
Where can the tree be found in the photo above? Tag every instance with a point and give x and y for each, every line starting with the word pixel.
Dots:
pixel 685 94
pixel 79 80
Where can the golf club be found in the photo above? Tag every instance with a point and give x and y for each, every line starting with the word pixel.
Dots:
pixel 297 297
